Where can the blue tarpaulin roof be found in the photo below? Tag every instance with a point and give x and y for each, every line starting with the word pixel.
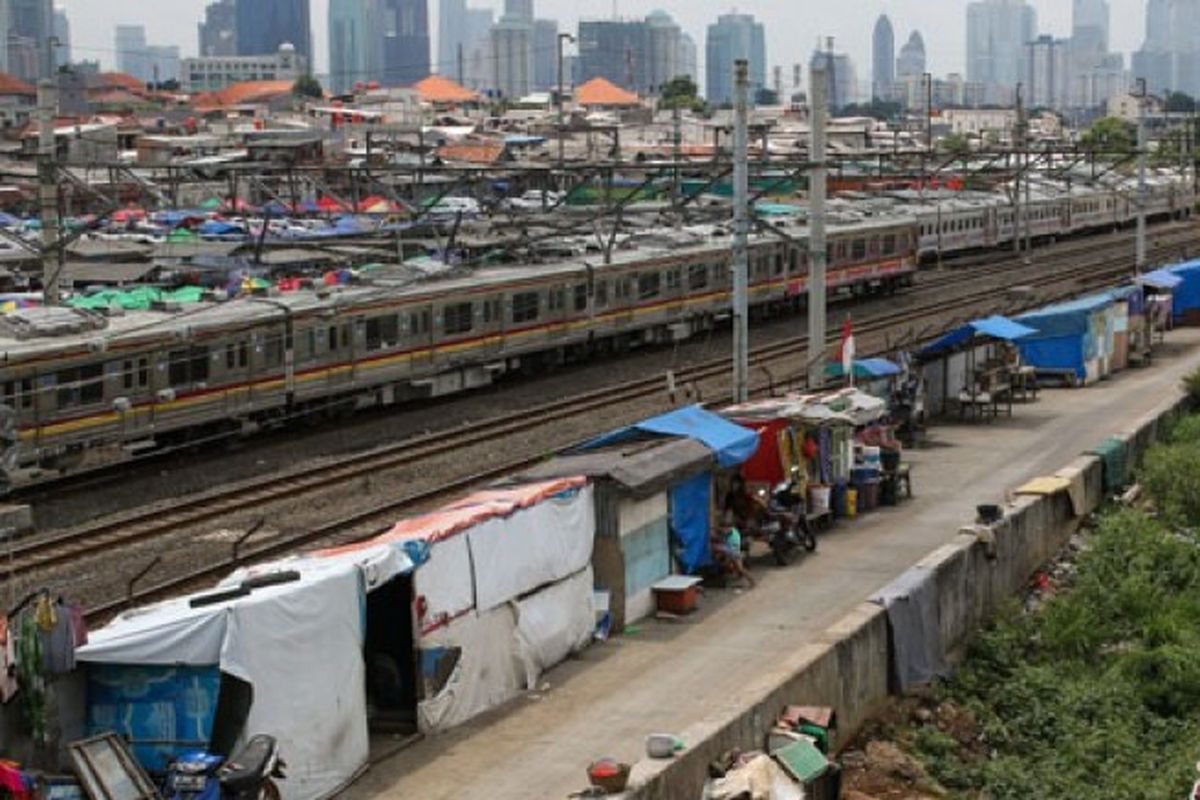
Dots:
pixel 732 443
pixel 1066 319
pixel 1187 293
pixel 993 327
pixel 866 368
pixel 1160 279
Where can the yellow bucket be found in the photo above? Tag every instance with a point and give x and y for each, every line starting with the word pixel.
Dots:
pixel 852 503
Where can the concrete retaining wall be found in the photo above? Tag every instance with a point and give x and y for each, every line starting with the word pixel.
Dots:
pixel 847 668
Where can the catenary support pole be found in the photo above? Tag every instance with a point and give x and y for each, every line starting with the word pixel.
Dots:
pixel 48 190
pixel 816 229
pixel 741 227
pixel 1140 261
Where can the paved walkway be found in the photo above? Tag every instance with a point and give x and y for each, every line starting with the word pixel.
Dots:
pixel 672 675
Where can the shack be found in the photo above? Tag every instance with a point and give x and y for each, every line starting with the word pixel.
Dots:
pixel 1186 295
pixel 1074 340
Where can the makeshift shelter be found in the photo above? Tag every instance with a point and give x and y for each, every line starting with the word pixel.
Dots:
pixel 1158 288
pixel 277 649
pixel 691 501
pixel 1074 340
pixel 633 484
pixel 951 361
pixel 505 594
pixel 1186 294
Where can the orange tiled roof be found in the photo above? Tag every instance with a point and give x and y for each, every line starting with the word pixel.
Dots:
pixel 439 89
pixel 600 92
pixel 12 85
pixel 472 153
pixel 243 93
pixel 121 80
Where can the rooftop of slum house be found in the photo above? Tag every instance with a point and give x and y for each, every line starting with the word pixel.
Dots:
pixel 601 92
pixel 12 86
pixel 243 93
pixel 84 273
pixel 641 467
pixel 473 152
pixel 441 90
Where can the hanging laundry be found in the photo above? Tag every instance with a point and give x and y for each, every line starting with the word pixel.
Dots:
pixel 14 782
pixel 58 643
pixel 31 677
pixel 8 661
pixel 79 628
pixel 43 614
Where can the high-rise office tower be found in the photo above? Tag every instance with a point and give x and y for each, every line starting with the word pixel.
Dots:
pixel 218 30
pixel 730 38
pixel 355 43
pixel 405 47
pixel 883 58
pixel 62 32
pixel 263 25
pixel 910 63
pixel 132 56
pixel 997 31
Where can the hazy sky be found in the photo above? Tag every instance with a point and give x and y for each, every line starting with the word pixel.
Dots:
pixel 793 26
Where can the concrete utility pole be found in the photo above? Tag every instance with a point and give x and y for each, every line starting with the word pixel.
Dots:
pixel 1019 140
pixel 741 228
pixel 676 151
pixel 562 119
pixel 48 183
pixel 816 229
pixel 1140 261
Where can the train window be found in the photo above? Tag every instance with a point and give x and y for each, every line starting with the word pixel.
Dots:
pixel 649 284
pixel 382 332
pixel 601 294
pixel 779 263
pixel 580 297
pixel 237 356
pixel 556 299
pixel 525 306
pixel 458 318
pixel 135 374
pixel 697 276
pixel 830 254
pixel 332 338
pixel 858 249
pixel 674 278
pixel 18 394
pixel 889 244
pixel 190 366
pixel 273 350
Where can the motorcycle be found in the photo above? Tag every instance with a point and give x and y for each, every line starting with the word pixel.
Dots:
pixel 786 525
pixel 249 774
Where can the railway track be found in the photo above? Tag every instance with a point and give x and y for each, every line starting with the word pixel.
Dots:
pixel 44 552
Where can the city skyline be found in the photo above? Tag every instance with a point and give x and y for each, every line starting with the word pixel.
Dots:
pixel 92 26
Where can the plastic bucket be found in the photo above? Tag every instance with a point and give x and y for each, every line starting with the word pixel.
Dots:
pixel 871 457
pixel 851 503
pixel 818 498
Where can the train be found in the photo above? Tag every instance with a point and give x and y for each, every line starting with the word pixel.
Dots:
pixel 81 389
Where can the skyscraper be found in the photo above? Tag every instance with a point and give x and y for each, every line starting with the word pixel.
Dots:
pixel 639 55
pixel 545 54
pixel 519 9
pixel 1089 26
pixel 688 57
pixel 218 30
pixel 132 57
pixel 452 32
pixel 477 54
pixel 1185 46
pixel 30 25
pixel 62 32
pixel 512 56
pixel 263 25
pixel 730 38
pixel 911 63
pixel 405 48
pixel 1153 61
pixel 355 43
pixel 883 58
pixel 1047 72
pixel 997 31
pixel 841 74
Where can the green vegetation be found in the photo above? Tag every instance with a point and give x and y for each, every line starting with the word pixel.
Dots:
pixel 1180 103
pixel 308 86
pixel 682 92
pixel 1110 135
pixel 956 144
pixel 1097 696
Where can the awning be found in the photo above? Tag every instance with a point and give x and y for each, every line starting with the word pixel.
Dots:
pixel 731 443
pixel 865 368
pixel 1159 279
pixel 993 327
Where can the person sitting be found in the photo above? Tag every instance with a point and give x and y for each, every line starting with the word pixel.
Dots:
pixel 726 543
pixel 747 511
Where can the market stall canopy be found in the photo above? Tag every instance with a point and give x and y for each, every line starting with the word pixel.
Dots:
pixel 865 368
pixel 993 327
pixel 848 406
pixel 1159 279
pixel 731 443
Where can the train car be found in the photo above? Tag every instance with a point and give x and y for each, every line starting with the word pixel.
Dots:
pixel 81 389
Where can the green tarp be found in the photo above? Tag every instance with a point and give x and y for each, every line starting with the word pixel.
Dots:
pixel 139 299
pixel 1112 452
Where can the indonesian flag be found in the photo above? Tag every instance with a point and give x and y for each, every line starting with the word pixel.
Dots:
pixel 846 350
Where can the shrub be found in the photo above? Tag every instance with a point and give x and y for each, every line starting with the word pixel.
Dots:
pixel 1171 474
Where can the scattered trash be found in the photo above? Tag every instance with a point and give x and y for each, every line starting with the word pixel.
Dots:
pixel 609 774
pixel 662 745
pixel 633 630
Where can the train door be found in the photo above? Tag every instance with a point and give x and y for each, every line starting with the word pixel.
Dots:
pixel 556 312
pixel 421 341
